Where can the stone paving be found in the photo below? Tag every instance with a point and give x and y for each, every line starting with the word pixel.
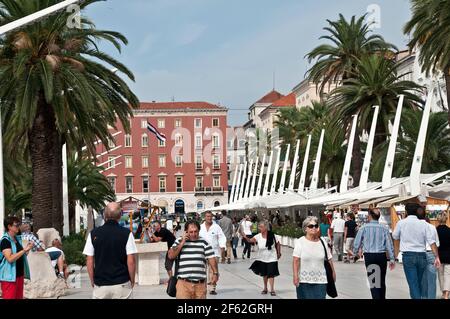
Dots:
pixel 238 282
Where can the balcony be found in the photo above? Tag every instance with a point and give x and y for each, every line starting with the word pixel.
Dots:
pixel 205 191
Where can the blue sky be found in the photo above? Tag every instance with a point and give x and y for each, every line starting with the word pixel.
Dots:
pixel 226 51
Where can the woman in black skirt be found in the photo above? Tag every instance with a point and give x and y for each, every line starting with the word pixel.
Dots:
pixel 266 264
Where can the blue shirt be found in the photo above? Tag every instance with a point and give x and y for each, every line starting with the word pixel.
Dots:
pixel 374 238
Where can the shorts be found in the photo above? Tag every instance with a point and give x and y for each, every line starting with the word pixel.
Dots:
pixel 349 244
pixel 168 264
pixel 54 255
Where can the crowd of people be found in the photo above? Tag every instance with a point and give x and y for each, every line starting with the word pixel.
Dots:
pixel 202 247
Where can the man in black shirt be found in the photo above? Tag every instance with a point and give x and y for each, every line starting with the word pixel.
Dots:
pixel 166 236
pixel 349 235
pixel 110 262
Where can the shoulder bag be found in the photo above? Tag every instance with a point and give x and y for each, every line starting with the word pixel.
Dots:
pixel 331 286
pixel 172 284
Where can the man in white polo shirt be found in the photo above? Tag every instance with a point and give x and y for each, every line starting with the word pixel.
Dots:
pixel 337 228
pixel 215 237
pixel 414 235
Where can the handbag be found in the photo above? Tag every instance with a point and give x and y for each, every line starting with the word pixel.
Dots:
pixel 331 286
pixel 172 284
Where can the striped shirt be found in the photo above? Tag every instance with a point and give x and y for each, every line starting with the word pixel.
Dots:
pixel 193 256
pixel 374 238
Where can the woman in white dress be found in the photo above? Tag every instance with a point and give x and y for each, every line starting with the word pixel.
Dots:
pixel 266 264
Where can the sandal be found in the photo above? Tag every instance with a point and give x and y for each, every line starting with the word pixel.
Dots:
pixel 264 292
pixel 272 293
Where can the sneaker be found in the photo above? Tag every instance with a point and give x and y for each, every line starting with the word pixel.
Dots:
pixel 213 292
pixel 229 261
pixel 60 276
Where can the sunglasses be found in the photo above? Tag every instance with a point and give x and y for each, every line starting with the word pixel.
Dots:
pixel 311 226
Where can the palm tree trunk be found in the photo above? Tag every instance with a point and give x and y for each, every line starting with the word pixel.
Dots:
pixel 356 159
pixel 72 207
pixel 46 158
pixel 447 86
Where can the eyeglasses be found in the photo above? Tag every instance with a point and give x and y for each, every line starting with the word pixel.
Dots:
pixel 17 225
pixel 311 226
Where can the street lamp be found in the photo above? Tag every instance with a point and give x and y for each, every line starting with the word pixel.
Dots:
pixel 3 30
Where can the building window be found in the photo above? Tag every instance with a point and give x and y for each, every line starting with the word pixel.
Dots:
pixel 129 184
pixel 161 123
pixel 241 144
pixel 216 141
pixel 145 184
pixel 144 140
pixel 198 162
pixel 216 203
pixel 179 183
pixel 198 123
pixel 161 143
pixel 143 123
pixel 127 140
pixel 178 161
pixel 177 123
pixel 199 182
pixel 111 161
pixel 112 182
pixel 241 159
pixel 178 140
pixel 162 184
pixel 230 144
pixel 128 161
pixel 162 161
pixel 199 205
pixel 111 143
pixel 198 142
pixel 144 161
pixel 216 161
pixel 215 122
pixel 216 181
pixel 228 159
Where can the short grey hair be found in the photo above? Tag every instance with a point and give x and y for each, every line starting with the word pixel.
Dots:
pixel 265 223
pixel 113 211
pixel 308 220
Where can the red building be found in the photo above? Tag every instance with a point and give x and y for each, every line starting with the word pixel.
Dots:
pixel 186 173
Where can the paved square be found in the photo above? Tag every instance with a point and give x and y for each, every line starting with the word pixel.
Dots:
pixel 238 282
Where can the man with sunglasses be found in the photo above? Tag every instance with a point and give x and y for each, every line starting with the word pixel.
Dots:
pixel 375 241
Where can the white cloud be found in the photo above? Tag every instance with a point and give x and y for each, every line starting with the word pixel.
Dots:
pixel 147 43
pixel 190 33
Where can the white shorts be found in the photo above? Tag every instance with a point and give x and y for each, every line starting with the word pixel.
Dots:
pixel 349 244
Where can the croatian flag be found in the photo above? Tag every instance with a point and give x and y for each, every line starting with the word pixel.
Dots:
pixel 160 136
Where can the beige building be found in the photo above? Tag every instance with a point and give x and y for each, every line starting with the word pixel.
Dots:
pixel 409 69
pixel 306 92
pixel 254 120
pixel 270 114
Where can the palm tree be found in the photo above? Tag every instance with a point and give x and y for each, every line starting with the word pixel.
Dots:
pixel 436 158
pixel 87 185
pixel 376 83
pixel 337 62
pixel 57 87
pixel 296 124
pixel 429 29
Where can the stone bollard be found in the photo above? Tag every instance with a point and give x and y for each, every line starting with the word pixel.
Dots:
pixel 43 282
